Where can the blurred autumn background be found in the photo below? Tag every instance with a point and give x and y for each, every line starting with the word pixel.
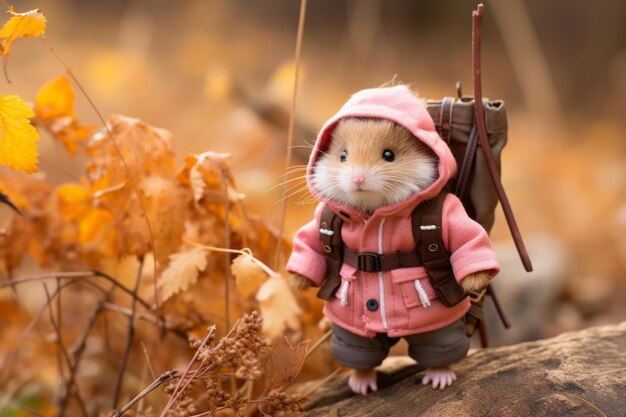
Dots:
pixel 218 75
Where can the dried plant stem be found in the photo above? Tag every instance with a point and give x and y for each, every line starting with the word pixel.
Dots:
pixel 244 251
pixel 178 389
pixel 148 361
pixel 590 404
pixel 130 337
pixel 227 245
pixel 126 168
pixel 75 276
pixel 9 360
pixel 79 348
pixel 292 118
pixel 319 343
pixel 150 319
pixel 322 382
pixel 165 377
pixel 62 354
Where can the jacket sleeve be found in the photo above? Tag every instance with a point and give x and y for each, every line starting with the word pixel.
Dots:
pixel 307 256
pixel 466 241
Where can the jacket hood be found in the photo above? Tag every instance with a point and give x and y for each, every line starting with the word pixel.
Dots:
pixel 399 105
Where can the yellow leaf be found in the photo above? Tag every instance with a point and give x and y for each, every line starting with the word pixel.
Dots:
pixel 278 307
pixel 18 137
pixel 182 272
pixel 55 99
pixel 249 276
pixel 21 25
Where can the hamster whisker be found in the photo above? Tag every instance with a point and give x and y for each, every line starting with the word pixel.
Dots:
pixel 301 177
pixel 304 188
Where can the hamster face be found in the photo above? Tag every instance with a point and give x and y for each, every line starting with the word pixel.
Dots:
pixel 373 162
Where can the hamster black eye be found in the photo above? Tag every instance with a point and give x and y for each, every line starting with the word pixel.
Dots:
pixel 388 155
pixel 343 155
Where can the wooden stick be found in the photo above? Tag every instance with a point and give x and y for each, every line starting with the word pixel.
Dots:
pixel 292 118
pixel 129 338
pixel 479 114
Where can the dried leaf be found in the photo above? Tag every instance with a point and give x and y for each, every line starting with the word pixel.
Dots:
pixel 55 99
pixel 249 276
pixel 95 231
pixel 54 106
pixel 21 25
pixel 148 152
pixel 182 272
pixel 18 137
pixel 279 307
pixel 283 364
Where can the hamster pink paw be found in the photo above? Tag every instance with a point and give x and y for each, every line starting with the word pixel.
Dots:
pixel 439 377
pixel 360 381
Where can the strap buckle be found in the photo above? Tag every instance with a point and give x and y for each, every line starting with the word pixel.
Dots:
pixel 369 262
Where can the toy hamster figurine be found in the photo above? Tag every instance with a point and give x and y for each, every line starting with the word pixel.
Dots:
pixel 374 162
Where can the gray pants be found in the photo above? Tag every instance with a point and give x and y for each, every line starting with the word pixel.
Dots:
pixel 439 347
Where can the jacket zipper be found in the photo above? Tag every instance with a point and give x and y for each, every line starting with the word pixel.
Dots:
pixel 381 284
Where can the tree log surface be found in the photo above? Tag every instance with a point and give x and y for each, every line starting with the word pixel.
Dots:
pixel 579 373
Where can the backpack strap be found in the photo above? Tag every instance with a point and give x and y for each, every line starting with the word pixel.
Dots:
pixel 427 231
pixel 332 244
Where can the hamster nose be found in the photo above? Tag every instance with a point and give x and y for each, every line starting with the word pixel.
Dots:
pixel 359 179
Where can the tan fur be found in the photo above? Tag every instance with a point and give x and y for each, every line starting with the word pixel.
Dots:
pixel 414 167
pixel 475 282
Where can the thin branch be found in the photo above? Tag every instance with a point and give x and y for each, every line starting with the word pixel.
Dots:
pixel 79 348
pixel 10 359
pixel 227 246
pixel 129 338
pixel 68 388
pixel 244 251
pixel 77 275
pixel 319 343
pixel 148 362
pixel 177 389
pixel 292 118
pixel 150 319
pixel 165 377
pixel 322 382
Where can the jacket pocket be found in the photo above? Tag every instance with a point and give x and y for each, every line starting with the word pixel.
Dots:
pixel 346 290
pixel 414 285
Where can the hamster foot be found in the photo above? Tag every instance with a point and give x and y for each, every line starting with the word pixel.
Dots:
pixel 439 377
pixel 361 380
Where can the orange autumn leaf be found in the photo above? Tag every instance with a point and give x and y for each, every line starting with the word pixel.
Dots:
pixel 76 204
pixel 55 99
pixel 21 25
pixel 18 137
pixel 54 106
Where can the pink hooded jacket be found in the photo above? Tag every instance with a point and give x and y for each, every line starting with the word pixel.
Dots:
pixel 405 300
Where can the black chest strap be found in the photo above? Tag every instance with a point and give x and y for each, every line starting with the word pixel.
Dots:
pixel 430 253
